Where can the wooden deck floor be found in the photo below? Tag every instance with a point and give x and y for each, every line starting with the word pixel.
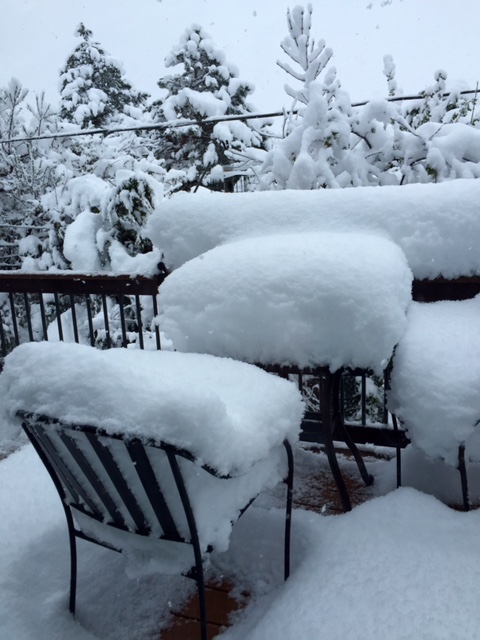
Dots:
pixel 319 494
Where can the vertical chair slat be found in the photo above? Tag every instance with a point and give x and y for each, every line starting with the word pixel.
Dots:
pixel 75 489
pixel 149 482
pixel 106 458
pixel 96 484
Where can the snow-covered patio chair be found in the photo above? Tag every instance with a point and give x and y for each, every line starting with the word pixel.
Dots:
pixel 435 382
pixel 155 454
pixel 319 303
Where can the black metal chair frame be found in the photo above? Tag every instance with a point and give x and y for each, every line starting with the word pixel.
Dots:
pixel 81 489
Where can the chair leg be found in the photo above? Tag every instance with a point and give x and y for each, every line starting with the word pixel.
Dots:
pixel 199 577
pixel 200 580
pixel 73 560
pixel 463 477
pixel 288 510
pixel 367 478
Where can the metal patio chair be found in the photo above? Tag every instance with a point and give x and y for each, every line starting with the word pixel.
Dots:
pixel 121 484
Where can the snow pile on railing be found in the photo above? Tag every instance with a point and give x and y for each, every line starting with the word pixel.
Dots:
pixel 436 225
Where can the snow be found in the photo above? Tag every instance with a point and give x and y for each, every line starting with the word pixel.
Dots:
pixel 335 299
pixel 436 376
pixel 202 101
pixel 436 225
pixel 228 414
pixel 231 416
pixel 79 242
pixel 401 566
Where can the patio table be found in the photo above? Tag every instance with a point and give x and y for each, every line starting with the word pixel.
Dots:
pixel 314 303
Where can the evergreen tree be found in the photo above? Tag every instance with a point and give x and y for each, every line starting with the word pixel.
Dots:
pixel 430 139
pixel 28 169
pixel 207 86
pixel 93 87
pixel 315 152
pixel 127 211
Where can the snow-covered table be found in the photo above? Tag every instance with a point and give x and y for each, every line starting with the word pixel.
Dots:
pixel 318 302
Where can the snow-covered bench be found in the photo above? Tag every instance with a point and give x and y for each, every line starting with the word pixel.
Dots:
pixel 148 449
pixel 435 382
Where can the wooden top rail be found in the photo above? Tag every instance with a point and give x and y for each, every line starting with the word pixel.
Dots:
pixel 443 289
pixel 69 282
pixel 78 284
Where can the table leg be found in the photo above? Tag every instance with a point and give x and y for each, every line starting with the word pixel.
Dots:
pixel 327 387
pixel 340 425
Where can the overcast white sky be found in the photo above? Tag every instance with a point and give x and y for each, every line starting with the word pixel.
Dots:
pixel 36 36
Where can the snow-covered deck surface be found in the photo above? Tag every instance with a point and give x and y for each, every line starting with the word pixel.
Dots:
pixel 402 566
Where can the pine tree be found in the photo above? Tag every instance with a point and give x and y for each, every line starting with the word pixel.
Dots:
pixel 207 86
pixel 127 211
pixel 315 152
pixel 93 87
pixel 28 169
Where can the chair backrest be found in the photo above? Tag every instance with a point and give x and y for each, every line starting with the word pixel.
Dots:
pixel 121 483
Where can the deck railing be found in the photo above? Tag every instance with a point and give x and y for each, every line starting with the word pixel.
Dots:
pixel 114 311
pixel 100 310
